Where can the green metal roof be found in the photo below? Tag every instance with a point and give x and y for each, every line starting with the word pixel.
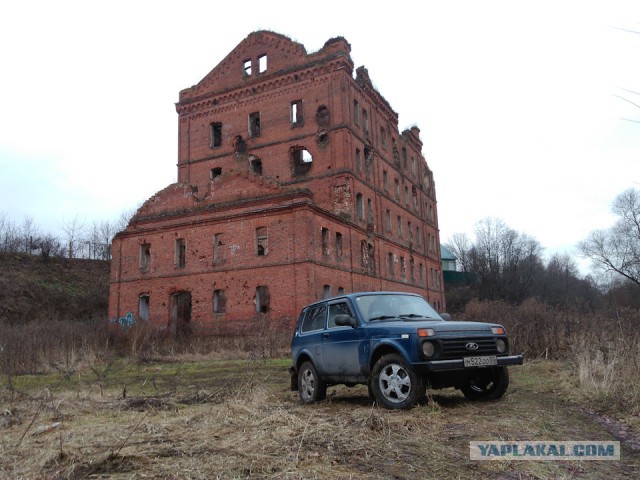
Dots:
pixel 445 254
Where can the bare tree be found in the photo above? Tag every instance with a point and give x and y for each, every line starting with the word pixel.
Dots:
pixel 73 230
pixel 50 245
pixel 506 260
pixel 28 234
pixel 9 235
pixel 460 245
pixel 618 248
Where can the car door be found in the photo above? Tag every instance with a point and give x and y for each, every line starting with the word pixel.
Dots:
pixel 341 345
pixel 310 337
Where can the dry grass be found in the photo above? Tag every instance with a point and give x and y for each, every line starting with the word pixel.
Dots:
pixel 241 421
pixel 604 349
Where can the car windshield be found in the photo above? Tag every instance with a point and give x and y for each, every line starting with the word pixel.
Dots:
pixel 393 305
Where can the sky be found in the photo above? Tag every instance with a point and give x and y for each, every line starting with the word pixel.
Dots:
pixel 518 101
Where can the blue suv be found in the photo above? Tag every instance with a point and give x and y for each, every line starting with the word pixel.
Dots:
pixel 399 346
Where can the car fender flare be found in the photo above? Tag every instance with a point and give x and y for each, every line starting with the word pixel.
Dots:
pixel 385 347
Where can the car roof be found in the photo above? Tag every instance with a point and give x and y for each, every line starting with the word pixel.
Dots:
pixel 359 294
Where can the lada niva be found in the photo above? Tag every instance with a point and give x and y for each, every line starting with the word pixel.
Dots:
pixel 399 346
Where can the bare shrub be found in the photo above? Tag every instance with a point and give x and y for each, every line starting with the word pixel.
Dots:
pixel 39 347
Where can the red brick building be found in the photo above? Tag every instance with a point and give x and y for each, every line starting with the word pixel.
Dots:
pixel 294 183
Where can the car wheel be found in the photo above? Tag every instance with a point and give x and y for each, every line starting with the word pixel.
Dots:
pixel 395 384
pixel 487 384
pixel 310 387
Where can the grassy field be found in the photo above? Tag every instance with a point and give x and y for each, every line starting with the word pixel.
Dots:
pixel 202 418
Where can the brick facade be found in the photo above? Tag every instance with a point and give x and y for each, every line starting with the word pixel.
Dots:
pixel 294 183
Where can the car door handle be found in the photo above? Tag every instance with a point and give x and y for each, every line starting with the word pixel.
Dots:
pixel 326 335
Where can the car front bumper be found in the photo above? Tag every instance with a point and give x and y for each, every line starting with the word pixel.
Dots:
pixel 458 364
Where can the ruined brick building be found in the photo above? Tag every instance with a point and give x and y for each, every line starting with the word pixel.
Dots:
pixel 294 184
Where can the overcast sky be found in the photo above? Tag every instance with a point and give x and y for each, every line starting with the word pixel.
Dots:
pixel 517 101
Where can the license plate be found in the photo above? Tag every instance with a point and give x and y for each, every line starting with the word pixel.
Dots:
pixel 480 361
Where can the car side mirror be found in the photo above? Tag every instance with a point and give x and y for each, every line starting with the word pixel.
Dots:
pixel 446 316
pixel 343 320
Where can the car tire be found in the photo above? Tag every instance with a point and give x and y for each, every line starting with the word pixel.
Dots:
pixel 487 384
pixel 395 385
pixel 310 387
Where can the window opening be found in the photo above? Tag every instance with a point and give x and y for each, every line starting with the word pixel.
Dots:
pixel 239 145
pixel 359 207
pixel 296 113
pixel 356 113
pixel 368 160
pixel 219 301
pixel 254 124
pixel 325 241
pixel 262 299
pixel 145 257
pixel 397 188
pixel 218 247
pixel 261 241
pixel 385 180
pixel 143 308
pixel 322 116
pixel 247 67
pixel 390 264
pixel 216 134
pixel 365 122
pixel 326 291
pixel 262 63
pixel 358 161
pixel 338 244
pixel 180 253
pixel 255 165
pixel 369 211
pixel 215 173
pixel 388 216
pixel 302 160
pixel 340 290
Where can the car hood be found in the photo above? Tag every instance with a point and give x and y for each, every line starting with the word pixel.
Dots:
pixel 439 326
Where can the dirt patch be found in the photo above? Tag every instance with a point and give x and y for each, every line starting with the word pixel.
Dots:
pixel 619 429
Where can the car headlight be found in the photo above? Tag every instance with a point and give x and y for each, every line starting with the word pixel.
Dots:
pixel 428 349
pixel 501 345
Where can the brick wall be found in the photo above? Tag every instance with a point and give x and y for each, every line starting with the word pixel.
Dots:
pixel 251 209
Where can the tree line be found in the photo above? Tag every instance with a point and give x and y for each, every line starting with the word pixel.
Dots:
pixel 78 239
pixel 509 265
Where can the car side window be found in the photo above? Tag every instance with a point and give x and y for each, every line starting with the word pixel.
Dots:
pixel 336 309
pixel 314 319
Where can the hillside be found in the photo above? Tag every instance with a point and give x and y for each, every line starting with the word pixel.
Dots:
pixel 32 288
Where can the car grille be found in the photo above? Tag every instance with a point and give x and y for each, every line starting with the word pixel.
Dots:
pixel 456 347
